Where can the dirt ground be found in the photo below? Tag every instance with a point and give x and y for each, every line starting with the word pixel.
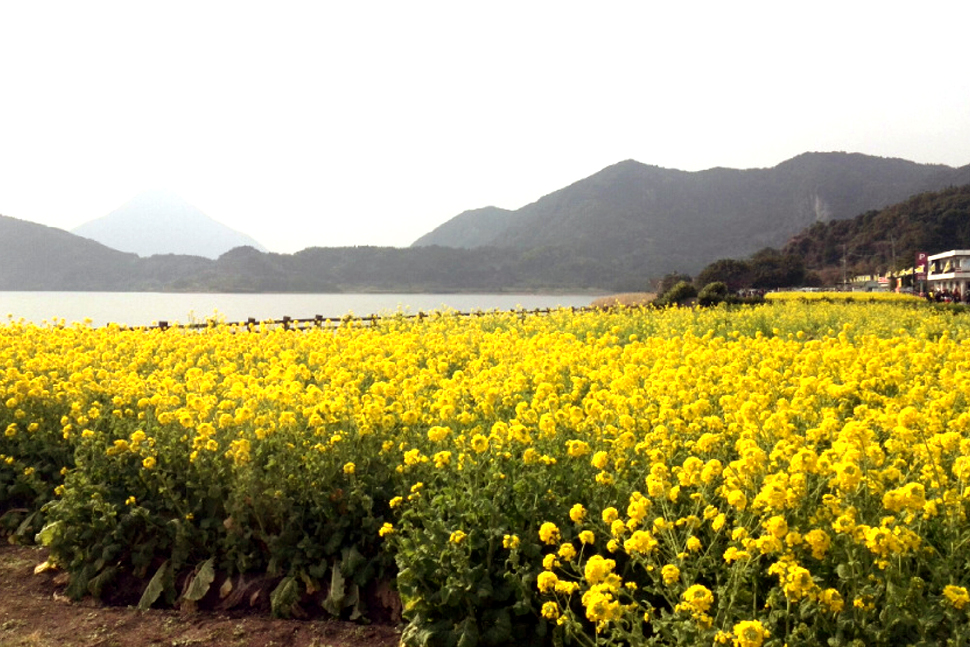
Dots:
pixel 35 613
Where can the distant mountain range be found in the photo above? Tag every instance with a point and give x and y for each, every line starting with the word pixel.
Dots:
pixel 660 220
pixel 615 230
pixel 160 222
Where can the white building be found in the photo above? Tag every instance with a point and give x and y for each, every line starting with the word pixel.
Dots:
pixel 949 271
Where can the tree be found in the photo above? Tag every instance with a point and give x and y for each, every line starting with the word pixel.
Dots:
pixel 733 273
pixel 677 294
pixel 669 281
pixel 712 294
pixel 771 269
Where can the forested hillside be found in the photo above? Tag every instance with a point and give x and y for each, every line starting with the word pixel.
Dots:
pixel 878 240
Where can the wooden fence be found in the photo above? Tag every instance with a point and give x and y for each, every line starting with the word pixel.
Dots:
pixel 319 321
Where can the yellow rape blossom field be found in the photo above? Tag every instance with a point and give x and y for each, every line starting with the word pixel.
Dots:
pixel 791 473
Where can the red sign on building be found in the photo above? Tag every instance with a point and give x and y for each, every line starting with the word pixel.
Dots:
pixel 921 264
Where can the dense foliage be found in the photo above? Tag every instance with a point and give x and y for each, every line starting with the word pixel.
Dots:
pixel 768 269
pixel 871 242
pixel 790 473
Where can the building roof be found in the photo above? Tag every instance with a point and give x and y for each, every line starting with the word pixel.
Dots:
pixel 949 254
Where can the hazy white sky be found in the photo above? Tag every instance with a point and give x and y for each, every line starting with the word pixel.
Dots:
pixel 370 123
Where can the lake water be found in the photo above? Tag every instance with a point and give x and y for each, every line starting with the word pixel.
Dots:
pixel 146 308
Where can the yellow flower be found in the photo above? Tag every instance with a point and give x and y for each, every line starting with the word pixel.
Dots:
pixel 550 610
pixel 566 588
pixel 414 457
pixel 577 448
pixel 750 633
pixel 567 552
pixel 610 515
pixel 349 468
pixel 148 463
pixel 479 443
pixel 641 542
pixel 598 569
pixel 617 528
pixel 457 537
pixel 737 499
pixel 819 542
pixel 577 513
pixel 601 604
pixel 732 554
pixel 587 537
pixel 547 581
pixel 386 529
pixel 864 602
pixel 670 573
pixel 600 460
pixel 777 526
pixel 956 595
pixel 549 533
pixel 510 541
pixel 831 599
pixel 699 597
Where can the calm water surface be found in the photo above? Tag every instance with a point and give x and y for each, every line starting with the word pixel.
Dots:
pixel 146 308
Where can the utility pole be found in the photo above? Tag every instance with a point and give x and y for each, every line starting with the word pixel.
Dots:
pixel 892 241
pixel 845 281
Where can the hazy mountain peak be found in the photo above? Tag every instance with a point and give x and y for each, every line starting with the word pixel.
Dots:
pixel 159 221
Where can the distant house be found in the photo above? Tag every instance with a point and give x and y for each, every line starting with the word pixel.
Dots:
pixel 949 270
pixel 868 283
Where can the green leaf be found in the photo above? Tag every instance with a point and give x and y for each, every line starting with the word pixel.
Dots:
pixel 47 533
pixel 469 633
pixel 499 628
pixel 200 584
pixel 352 561
pixel 97 583
pixel 334 603
pixel 334 542
pixel 284 598
pixel 25 526
pixel 154 588
pixel 353 600
pixel 78 585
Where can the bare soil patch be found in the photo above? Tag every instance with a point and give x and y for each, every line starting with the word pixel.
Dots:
pixel 34 612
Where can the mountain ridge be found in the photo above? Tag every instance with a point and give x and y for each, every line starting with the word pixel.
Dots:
pixel 613 231
pixel 684 219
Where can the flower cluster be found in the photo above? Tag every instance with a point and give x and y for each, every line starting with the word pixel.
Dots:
pixel 678 476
